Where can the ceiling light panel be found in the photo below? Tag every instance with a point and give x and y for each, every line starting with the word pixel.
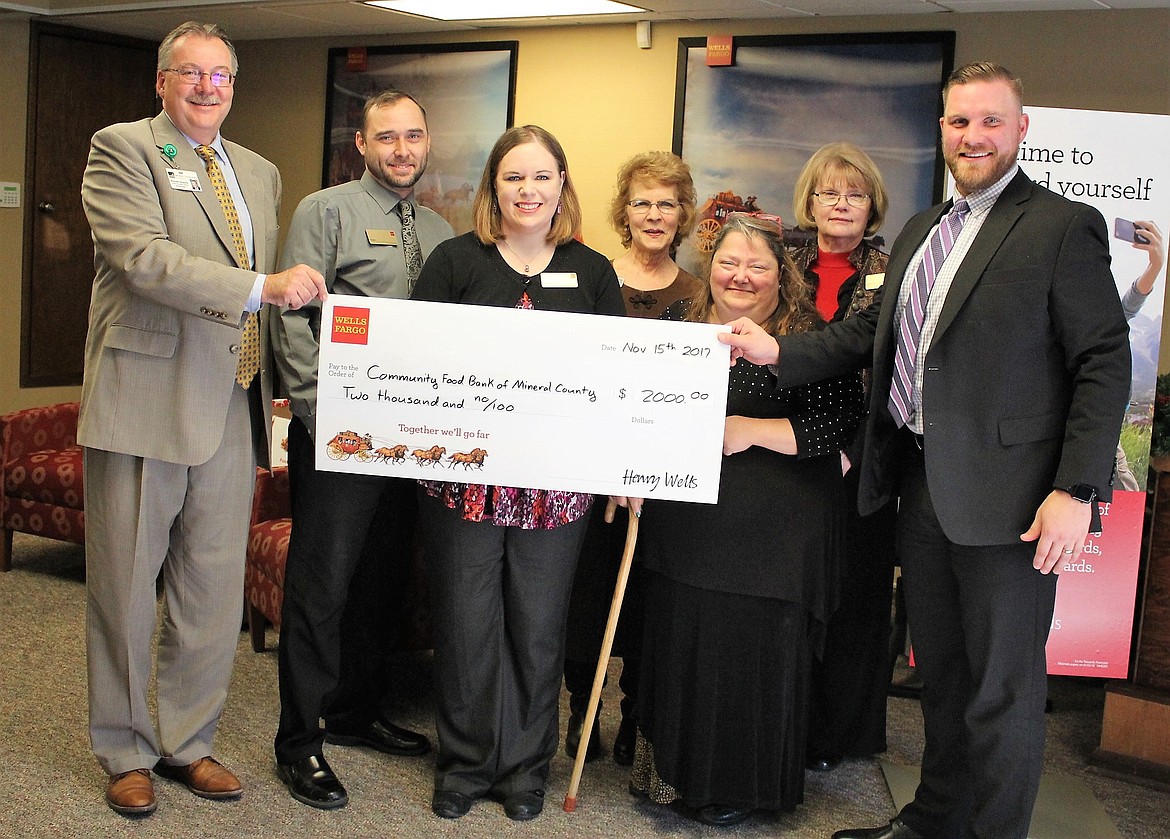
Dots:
pixel 504 9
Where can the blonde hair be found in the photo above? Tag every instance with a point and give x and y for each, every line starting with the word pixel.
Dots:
pixel 658 167
pixel 795 309
pixel 486 208
pixel 852 165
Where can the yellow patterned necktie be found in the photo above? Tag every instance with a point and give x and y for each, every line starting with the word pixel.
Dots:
pixel 249 362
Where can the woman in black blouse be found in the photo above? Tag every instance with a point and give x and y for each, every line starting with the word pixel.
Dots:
pixel 739 591
pixel 500 560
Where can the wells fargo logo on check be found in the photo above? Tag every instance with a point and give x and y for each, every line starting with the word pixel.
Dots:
pixel 513 397
pixel 351 324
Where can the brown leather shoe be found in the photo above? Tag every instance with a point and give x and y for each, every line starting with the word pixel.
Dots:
pixel 206 777
pixel 131 793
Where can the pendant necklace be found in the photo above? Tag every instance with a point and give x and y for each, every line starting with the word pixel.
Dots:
pixel 527 262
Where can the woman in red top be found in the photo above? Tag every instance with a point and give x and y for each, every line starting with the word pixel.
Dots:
pixel 840 198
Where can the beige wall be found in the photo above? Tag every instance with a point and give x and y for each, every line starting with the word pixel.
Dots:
pixel 606 99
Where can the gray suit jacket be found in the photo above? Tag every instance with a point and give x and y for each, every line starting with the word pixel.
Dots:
pixel 1027 377
pixel 167 302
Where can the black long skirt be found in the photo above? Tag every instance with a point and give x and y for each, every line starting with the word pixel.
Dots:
pixel 723 699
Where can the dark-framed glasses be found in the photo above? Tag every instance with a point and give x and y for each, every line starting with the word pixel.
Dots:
pixel 193 75
pixel 640 206
pixel 830 197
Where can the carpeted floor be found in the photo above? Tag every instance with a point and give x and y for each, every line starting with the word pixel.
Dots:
pixel 54 786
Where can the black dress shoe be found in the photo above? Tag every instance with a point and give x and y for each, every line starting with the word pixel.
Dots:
pixel 822 763
pixel 522 806
pixel 311 781
pixel 573 736
pixel 447 804
pixel 384 736
pixel 720 816
pixel 896 829
pixel 623 744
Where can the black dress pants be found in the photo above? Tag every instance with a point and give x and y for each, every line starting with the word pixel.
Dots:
pixel 589 604
pixel 979 618
pixel 499 596
pixel 350 546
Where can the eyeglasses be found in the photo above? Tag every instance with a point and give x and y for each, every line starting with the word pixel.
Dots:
pixel 829 198
pixel 640 206
pixel 193 75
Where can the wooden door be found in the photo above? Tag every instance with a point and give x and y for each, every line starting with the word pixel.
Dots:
pixel 79 81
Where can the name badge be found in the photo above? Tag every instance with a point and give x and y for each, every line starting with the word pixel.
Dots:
pixel 874 281
pixel 557 280
pixel 184 179
pixel 381 237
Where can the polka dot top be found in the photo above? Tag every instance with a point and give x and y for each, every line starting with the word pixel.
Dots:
pixel 824 414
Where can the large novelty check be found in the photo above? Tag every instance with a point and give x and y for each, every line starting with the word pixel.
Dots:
pixel 474 394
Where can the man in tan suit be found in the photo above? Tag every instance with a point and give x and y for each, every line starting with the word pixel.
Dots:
pixel 174 415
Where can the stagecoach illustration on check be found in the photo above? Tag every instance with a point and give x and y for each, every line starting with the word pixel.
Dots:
pixel 347 444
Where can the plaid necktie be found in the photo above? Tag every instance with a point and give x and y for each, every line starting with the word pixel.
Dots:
pixel 910 327
pixel 410 248
pixel 249 361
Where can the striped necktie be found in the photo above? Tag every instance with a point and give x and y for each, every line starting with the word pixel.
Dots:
pixel 910 327
pixel 249 361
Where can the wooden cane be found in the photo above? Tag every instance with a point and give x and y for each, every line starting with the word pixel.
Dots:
pixel 615 609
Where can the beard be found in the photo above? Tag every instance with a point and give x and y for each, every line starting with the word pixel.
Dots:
pixel 972 176
pixel 383 176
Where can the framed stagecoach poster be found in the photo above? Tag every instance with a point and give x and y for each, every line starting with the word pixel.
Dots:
pixel 468 91
pixel 747 129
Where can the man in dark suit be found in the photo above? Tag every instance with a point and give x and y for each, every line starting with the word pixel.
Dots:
pixel 174 415
pixel 1001 373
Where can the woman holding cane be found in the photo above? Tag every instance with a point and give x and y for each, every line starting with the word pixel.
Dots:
pixel 653 210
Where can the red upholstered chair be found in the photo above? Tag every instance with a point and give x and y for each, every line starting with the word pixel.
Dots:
pixel 268 551
pixel 40 476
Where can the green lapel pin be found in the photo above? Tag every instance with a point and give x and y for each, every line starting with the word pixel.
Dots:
pixel 170 151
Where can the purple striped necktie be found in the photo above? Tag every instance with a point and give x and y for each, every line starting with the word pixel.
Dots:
pixel 910 326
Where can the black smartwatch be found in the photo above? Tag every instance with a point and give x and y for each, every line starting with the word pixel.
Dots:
pixel 1088 495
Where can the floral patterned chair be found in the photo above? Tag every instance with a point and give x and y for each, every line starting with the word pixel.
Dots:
pixel 268 551
pixel 40 476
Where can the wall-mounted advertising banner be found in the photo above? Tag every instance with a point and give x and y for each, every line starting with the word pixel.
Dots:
pixel 1117 163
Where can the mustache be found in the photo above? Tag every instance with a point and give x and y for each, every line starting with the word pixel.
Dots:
pixel 204 99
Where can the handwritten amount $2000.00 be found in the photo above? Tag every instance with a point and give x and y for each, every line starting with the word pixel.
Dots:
pixel 658 396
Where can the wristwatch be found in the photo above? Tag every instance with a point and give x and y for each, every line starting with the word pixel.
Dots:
pixel 1088 495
